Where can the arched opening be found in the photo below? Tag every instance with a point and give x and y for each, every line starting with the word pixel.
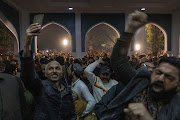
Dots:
pixel 54 37
pixel 8 36
pixel 101 37
pixel 151 38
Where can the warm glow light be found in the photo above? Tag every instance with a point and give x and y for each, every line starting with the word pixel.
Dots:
pixel 137 46
pixel 65 42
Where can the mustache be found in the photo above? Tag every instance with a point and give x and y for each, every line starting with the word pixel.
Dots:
pixel 54 74
pixel 158 83
pixel 164 96
pixel 104 79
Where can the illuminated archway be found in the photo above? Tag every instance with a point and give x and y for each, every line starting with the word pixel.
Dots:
pixel 7 25
pixel 140 37
pixel 101 36
pixel 51 33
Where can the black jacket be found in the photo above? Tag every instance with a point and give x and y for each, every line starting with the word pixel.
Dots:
pixel 132 82
pixel 50 104
pixel 117 98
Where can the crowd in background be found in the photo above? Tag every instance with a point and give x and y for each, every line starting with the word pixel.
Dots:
pixel 66 58
pixel 9 64
pixel 54 85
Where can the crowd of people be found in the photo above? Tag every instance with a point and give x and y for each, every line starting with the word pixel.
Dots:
pixel 53 85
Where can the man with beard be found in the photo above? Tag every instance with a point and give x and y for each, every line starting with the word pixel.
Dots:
pixel 134 62
pixel 52 96
pixel 146 95
pixel 102 84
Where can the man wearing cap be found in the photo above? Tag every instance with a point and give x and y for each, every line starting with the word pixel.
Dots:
pixel 80 88
pixel 100 84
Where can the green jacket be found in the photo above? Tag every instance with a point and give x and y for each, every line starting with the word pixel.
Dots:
pixel 30 106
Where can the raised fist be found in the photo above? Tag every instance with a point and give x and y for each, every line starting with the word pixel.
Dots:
pixel 135 20
pixel 138 111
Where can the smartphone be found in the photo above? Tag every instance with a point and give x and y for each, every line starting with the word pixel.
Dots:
pixel 38 19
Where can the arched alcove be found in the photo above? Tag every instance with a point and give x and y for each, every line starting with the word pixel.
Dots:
pixel 141 37
pixel 52 36
pixel 101 36
pixel 9 28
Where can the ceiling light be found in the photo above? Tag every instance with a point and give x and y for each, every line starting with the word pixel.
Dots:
pixel 143 9
pixel 70 8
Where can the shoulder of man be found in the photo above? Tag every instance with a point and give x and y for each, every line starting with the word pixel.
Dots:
pixel 171 111
pixel 8 77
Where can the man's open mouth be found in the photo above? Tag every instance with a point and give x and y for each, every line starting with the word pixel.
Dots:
pixel 54 76
pixel 158 87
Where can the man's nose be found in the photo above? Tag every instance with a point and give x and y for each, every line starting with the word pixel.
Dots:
pixel 106 76
pixel 54 70
pixel 161 77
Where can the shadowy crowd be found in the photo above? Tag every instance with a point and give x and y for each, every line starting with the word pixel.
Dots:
pixel 53 85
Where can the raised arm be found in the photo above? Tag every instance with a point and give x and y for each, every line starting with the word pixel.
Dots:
pixel 28 74
pixel 119 62
pixel 89 71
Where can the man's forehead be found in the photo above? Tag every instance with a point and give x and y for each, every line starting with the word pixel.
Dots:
pixel 168 68
pixel 53 63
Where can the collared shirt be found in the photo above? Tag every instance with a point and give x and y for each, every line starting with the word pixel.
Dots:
pixel 62 89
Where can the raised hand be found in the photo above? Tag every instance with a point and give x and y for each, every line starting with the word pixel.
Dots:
pixel 137 111
pixel 135 20
pixel 100 60
pixel 32 30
